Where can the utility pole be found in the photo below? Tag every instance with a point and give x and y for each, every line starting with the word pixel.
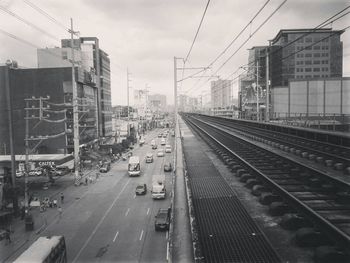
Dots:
pixel 127 92
pixel 267 118
pixel 75 111
pixel 175 94
pixel 9 64
pixel 257 91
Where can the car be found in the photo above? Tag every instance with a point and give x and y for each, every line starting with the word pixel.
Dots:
pixel 141 189
pixel 149 158
pixel 165 135
pixel 105 168
pixel 154 146
pixel 142 141
pixel 36 172
pixel 162 142
pixel 19 174
pixel 168 148
pixel 160 135
pixel 162 221
pixel 173 133
pixel 168 167
pixel 160 153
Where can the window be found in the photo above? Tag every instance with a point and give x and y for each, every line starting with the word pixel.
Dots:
pixel 316 69
pixel 317 55
pixel 324 54
pixel 316 76
pixel 316 62
pixel 308 55
pixel 307 76
pixel 308 62
pixel 300 48
pixel 324 61
pixel 308 39
pixel 325 47
pixel 300 55
pixel 307 69
pixel 64 54
pixel 300 62
pixel 317 47
pixel 300 40
pixel 325 40
pixel 300 70
pixel 308 48
pixel 324 69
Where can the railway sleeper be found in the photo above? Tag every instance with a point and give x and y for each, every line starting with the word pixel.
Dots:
pixel 268 198
pixel 250 183
pixel 279 208
pixel 293 222
pixel 310 237
pixel 258 189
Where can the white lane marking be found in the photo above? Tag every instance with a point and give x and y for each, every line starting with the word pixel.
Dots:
pixel 141 235
pixel 148 211
pixel 127 212
pixel 100 222
pixel 116 235
pixel 134 196
pixel 166 234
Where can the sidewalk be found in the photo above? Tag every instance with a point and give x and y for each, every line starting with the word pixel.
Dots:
pixel 21 239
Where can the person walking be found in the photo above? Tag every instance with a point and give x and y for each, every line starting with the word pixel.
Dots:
pixel 60 211
pixel 62 198
pixel 8 236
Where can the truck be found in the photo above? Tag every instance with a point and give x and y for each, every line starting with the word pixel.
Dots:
pixel 134 168
pixel 158 186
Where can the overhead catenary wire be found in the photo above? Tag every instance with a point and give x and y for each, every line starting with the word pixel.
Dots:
pixel 4 9
pixel 230 44
pixel 195 37
pixel 41 11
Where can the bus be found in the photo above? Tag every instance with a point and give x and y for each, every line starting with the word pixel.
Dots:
pixel 45 250
pixel 134 168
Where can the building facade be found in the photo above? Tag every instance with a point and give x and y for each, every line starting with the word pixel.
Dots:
pixel 54 86
pixel 157 102
pixel 221 93
pixel 94 65
pixel 305 53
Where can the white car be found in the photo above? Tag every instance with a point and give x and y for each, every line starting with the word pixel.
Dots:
pixel 149 158
pixel 160 153
pixel 168 148
pixel 162 142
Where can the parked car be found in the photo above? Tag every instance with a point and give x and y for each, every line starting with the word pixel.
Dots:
pixel 141 189
pixel 149 158
pixel 168 167
pixel 162 142
pixel 105 168
pixel 160 135
pixel 162 221
pixel 160 153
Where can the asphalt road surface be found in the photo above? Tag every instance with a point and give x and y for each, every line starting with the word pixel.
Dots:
pixel 109 223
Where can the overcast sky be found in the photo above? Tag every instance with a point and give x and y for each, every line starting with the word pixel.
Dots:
pixel 145 35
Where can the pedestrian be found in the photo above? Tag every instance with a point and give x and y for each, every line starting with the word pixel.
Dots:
pixel 86 180
pixel 8 236
pixel 60 211
pixel 90 179
pixel 62 198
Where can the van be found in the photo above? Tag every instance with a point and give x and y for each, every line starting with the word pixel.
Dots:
pixel 149 158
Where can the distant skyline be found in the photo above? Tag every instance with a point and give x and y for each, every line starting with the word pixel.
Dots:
pixel 145 35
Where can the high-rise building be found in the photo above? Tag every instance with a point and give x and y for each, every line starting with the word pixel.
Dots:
pixel 305 53
pixel 221 93
pixel 157 102
pixel 95 68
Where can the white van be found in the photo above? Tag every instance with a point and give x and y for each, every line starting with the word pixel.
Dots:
pixel 134 168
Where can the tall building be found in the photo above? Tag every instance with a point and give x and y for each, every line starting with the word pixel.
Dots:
pixel 221 94
pixel 305 53
pixel 157 102
pixel 257 65
pixel 54 84
pixel 95 69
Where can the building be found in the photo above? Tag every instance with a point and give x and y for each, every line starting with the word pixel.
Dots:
pixel 141 102
pixel 94 66
pixel 305 53
pixel 157 102
pixel 221 93
pixel 49 91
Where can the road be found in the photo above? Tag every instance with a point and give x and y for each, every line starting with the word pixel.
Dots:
pixel 109 222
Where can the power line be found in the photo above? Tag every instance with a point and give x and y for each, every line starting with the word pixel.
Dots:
pixel 41 11
pixel 195 37
pixel 27 22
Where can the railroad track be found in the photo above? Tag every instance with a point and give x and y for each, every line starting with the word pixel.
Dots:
pixel 314 204
pixel 330 155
